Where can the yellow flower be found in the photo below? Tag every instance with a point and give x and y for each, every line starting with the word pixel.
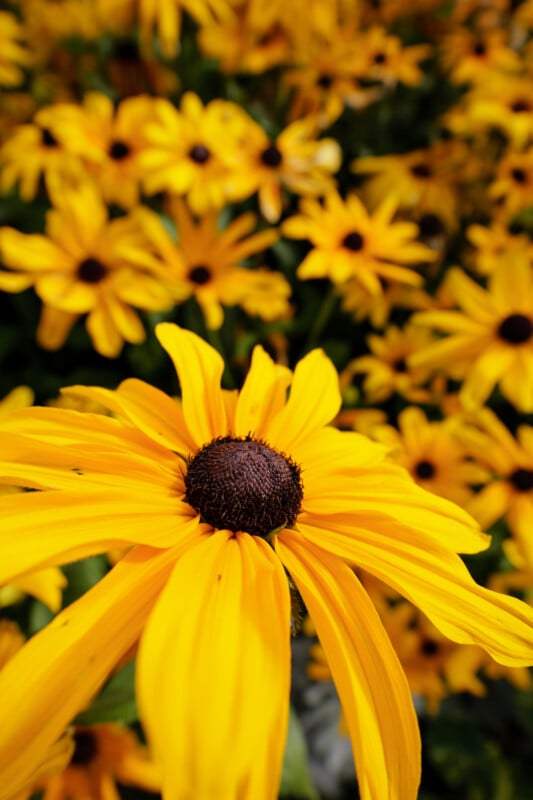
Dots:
pixel 295 160
pixel 490 339
pixel 470 56
pixel 206 261
pixel 221 493
pixel 495 243
pixel 385 369
pixel 34 151
pixel 512 187
pixel 191 151
pixel 509 494
pixel 107 140
pixel 102 756
pixel 383 58
pixel 349 242
pixel 363 304
pixel 14 55
pixel 425 181
pixel 503 102
pixel 433 454
pixel 80 266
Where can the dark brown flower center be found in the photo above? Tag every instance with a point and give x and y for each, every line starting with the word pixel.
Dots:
pixel 516 329
pixel 91 270
pixel 519 175
pixel 85 748
pixel 400 365
pixel 353 241
pixel 243 484
pixel 119 150
pixel 522 479
pixel 424 470
pixel 421 170
pixel 429 647
pixel 47 138
pixel 520 106
pixel 271 156
pixel 199 274
pixel 379 58
pixel 199 154
pixel 324 81
pixel 430 225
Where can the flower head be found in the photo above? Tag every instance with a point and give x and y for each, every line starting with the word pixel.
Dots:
pixel 220 494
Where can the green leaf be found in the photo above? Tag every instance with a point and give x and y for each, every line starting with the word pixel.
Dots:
pixel 295 777
pixel 116 701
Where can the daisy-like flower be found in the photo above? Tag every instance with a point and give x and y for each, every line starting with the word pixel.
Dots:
pixel 490 339
pixel 424 181
pixel 433 454
pixel 107 140
pixel 14 55
pixel 385 368
pixel 469 55
pixel 349 242
pixel 509 495
pixel 164 17
pixel 295 160
pixel 220 494
pixel 378 308
pixel 495 243
pixel 512 187
pixel 191 151
pixel 34 151
pixel 206 262
pixel 103 755
pixel 80 267
pixel 504 102
pixel 383 58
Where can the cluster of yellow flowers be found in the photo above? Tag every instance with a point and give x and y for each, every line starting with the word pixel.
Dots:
pixel 273 177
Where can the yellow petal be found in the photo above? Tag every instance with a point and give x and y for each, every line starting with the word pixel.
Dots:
pixel 374 692
pixel 438 583
pixel 44 584
pixel 263 394
pixel 199 369
pixel 57 672
pixel 58 527
pixel 213 672
pixel 314 400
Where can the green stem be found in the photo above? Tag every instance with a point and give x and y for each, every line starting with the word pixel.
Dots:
pixel 324 313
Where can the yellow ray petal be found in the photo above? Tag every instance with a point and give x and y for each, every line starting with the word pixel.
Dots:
pixel 199 369
pixel 60 527
pixel 213 672
pixel 44 584
pixel 373 689
pixel 57 672
pixel 314 400
pixel 438 583
pixel 263 394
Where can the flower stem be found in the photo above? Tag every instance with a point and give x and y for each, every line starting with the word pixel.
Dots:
pixel 324 313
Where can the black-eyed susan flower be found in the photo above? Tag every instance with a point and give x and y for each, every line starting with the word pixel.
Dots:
pixel 490 339
pixel 206 262
pixel 509 493
pixel 220 494
pixel 103 756
pixel 363 304
pixel 80 266
pixel 470 55
pixel 191 151
pixel 164 18
pixel 512 187
pixel 383 58
pixel 350 242
pixel 36 151
pixel 107 140
pixel 494 243
pixel 433 454
pixel 295 161
pixel 385 368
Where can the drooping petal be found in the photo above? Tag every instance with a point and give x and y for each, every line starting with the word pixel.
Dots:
pixel 44 584
pixel 373 689
pixel 199 369
pixel 437 581
pixel 57 672
pixel 213 672
pixel 263 394
pixel 314 400
pixel 58 527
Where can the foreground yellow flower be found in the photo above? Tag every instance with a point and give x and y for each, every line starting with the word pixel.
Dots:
pixel 222 492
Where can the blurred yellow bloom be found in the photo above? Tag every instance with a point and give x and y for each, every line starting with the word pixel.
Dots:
pixel 206 262
pixel 490 339
pixel 80 266
pixel 220 494
pixel 349 242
